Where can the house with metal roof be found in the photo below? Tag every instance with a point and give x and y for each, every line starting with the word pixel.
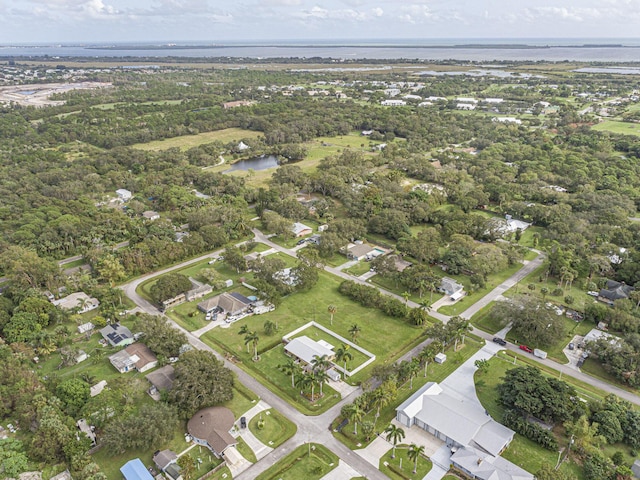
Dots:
pixel 481 466
pixel 117 335
pixel 300 229
pixel 305 349
pixel 231 303
pixel 453 419
pixel 135 470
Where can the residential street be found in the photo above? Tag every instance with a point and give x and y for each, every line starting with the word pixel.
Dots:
pixel 316 429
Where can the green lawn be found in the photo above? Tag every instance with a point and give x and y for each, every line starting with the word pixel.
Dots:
pixel 615 126
pixel 243 399
pixel 302 307
pixel 246 451
pixel 391 467
pixel 189 141
pixel 471 298
pixel 308 462
pixel 358 269
pixel 435 373
pixel 276 428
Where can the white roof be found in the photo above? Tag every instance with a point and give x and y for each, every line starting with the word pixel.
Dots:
pixel 463 421
pixel 488 467
pixel 306 349
pixel 299 227
pixel 98 387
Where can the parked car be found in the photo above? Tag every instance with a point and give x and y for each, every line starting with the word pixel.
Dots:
pixel 526 348
pixel 592 293
pixel 243 422
pixel 499 341
pixel 572 346
pixel 301 242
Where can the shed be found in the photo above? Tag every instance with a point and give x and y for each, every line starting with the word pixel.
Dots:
pixel 440 358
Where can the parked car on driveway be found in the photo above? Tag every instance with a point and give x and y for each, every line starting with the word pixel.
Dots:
pixel 499 341
pixel 526 348
pixel 243 422
pixel 572 346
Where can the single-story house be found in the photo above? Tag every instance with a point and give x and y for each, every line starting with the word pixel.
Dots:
pixel 515 120
pixel 454 419
pixel 305 349
pixel 363 251
pixel 117 335
pixel 84 427
pixel 481 466
pixel 136 356
pixel 301 230
pixel 512 225
pixel 613 291
pixel 86 327
pixel 210 427
pixel 400 263
pixel 231 303
pixel 80 300
pixel 286 276
pixel 161 379
pixel 135 470
pixel 450 287
pixel 81 356
pixel 151 215
pixel 393 103
pixel 165 460
pixel 465 106
pixel 124 194
pixel 315 239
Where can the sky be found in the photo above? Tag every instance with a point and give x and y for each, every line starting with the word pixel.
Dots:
pixel 79 21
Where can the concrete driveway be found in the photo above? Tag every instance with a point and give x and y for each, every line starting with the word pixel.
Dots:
pixel 342 472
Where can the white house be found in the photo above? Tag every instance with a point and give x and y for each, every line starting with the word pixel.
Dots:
pixel 305 349
pixel 300 229
pixel 151 215
pixel 393 103
pixel 514 120
pixel 453 419
pixel 136 356
pixel 450 287
pixel 123 194
pixel 80 300
pixel 465 106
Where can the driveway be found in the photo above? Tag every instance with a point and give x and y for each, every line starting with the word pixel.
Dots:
pixel 342 472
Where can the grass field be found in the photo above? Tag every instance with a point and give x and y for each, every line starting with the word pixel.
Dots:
pixel 615 126
pixel 308 462
pixel 391 467
pixel 276 428
pixel 186 142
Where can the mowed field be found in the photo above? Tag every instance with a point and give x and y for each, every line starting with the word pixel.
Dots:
pixel 615 126
pixel 186 142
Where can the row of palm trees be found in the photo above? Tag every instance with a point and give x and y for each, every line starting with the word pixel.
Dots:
pixel 308 378
pixel 250 338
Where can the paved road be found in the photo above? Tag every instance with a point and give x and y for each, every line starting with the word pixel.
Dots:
pixel 316 429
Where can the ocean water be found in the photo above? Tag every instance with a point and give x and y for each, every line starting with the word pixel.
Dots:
pixel 588 50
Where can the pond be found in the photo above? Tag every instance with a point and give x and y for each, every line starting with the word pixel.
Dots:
pixel 256 163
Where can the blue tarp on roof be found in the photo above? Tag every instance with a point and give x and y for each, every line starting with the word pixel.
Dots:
pixel 135 470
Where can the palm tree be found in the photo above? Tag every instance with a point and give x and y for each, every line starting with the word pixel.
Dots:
pixel 303 381
pixel 414 454
pixel 414 367
pixel 426 306
pixel 290 368
pixel 332 309
pixel 394 435
pixel 244 330
pixel 320 363
pixel 383 395
pixel 428 354
pixel 252 338
pixel 354 414
pixel 355 331
pixel 406 296
pixel 342 353
pixel 321 376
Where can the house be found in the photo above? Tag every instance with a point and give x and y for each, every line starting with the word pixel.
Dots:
pixel 81 356
pixel 467 100
pixel 135 470
pixel 136 356
pixel 450 287
pixel 400 263
pixel 453 419
pixel 80 300
pixel 287 277
pixel 165 460
pixel 151 215
pixel 124 195
pixel 363 251
pixel 482 466
pixel 315 239
pixel 613 291
pixel 301 230
pixel 322 228
pixel 635 468
pixel 242 147
pixel 210 427
pixel 230 303
pixel 238 103
pixel 84 427
pixel 161 380
pixel 117 335
pixel 393 103
pixel 465 106
pixel 305 349
pixel 517 121
pixel 494 100
pixel 86 327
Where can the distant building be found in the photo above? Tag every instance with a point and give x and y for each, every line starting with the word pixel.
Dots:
pixel 393 103
pixel 80 300
pixel 117 335
pixel 166 460
pixel 151 215
pixel 363 251
pixel 465 106
pixel 84 427
pixel 123 194
pixel 301 230
pixel 135 470
pixel 238 103
pixel 136 356
pixel 86 327
pixel 517 121
pixel 305 349
pixel 450 287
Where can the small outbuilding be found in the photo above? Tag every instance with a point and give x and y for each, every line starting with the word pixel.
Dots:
pixel 135 470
